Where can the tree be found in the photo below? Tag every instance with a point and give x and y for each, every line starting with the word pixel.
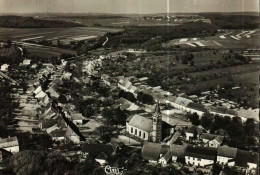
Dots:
pixel 206 120
pixel 194 118
pixel 105 133
pixel 88 111
pixel 62 98
pixel 119 116
pixel 145 98
pixel 251 127
pixel 216 169
pixel 127 95
pixel 27 162
pixel 108 115
pixel 3 129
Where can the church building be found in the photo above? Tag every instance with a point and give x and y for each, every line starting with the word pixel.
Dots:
pixel 147 129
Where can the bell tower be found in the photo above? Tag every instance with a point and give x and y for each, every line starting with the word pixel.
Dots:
pixel 157 124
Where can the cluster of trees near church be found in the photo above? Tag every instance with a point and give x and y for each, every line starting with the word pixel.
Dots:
pixel 237 134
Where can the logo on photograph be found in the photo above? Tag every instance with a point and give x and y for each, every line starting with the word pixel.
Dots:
pixel 114 170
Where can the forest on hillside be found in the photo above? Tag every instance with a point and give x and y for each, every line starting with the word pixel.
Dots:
pixel 30 22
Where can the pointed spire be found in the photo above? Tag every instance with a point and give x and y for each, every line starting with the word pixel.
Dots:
pixel 157 108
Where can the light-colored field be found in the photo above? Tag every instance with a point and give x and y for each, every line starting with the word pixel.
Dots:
pixel 226 40
pixel 51 34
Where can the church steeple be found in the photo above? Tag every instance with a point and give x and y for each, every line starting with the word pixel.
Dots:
pixel 157 124
pixel 157 108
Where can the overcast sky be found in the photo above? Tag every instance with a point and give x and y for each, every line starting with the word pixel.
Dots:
pixel 126 6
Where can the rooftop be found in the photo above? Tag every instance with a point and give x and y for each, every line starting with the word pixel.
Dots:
pixel 8 142
pixel 152 151
pixel 226 151
pixel 244 157
pixel 141 122
pixel 201 152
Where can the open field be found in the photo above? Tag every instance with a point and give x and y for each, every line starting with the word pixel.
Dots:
pixel 52 34
pixel 226 39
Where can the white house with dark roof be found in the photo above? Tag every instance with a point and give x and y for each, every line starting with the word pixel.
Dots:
pixel 247 161
pixel 58 135
pixel 196 108
pixel 200 156
pixel 181 103
pixel 100 152
pixel 10 144
pixel 226 155
pixel 154 151
pixel 174 154
pixel 211 140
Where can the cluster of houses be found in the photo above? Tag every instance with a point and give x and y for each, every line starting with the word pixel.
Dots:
pixel 179 18
pixel 180 103
pixel 90 67
pixel 200 156
pixel 39 110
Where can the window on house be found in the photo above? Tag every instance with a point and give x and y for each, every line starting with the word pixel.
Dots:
pixel 135 131
pixel 144 135
pixel 131 130
pixel 140 133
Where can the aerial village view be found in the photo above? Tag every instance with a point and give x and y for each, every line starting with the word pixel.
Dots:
pixel 133 87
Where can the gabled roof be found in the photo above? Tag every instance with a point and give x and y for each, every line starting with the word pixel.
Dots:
pixel 226 151
pixel 167 156
pixel 244 157
pixel 178 150
pixel 201 152
pixel 219 139
pixel 152 151
pixel 102 156
pixel 197 106
pixel 175 136
pixel 171 98
pixel 208 136
pixel 9 142
pixel 95 149
pixel 48 123
pixel 141 122
pixel 77 116
pixel 41 94
pixel 58 133
pixel 37 90
pixel 182 101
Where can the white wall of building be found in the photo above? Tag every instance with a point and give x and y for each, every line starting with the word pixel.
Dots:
pixel 13 149
pixel 224 160
pixel 198 162
pixel 137 132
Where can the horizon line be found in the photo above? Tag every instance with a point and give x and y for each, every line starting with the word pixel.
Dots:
pixel 124 13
